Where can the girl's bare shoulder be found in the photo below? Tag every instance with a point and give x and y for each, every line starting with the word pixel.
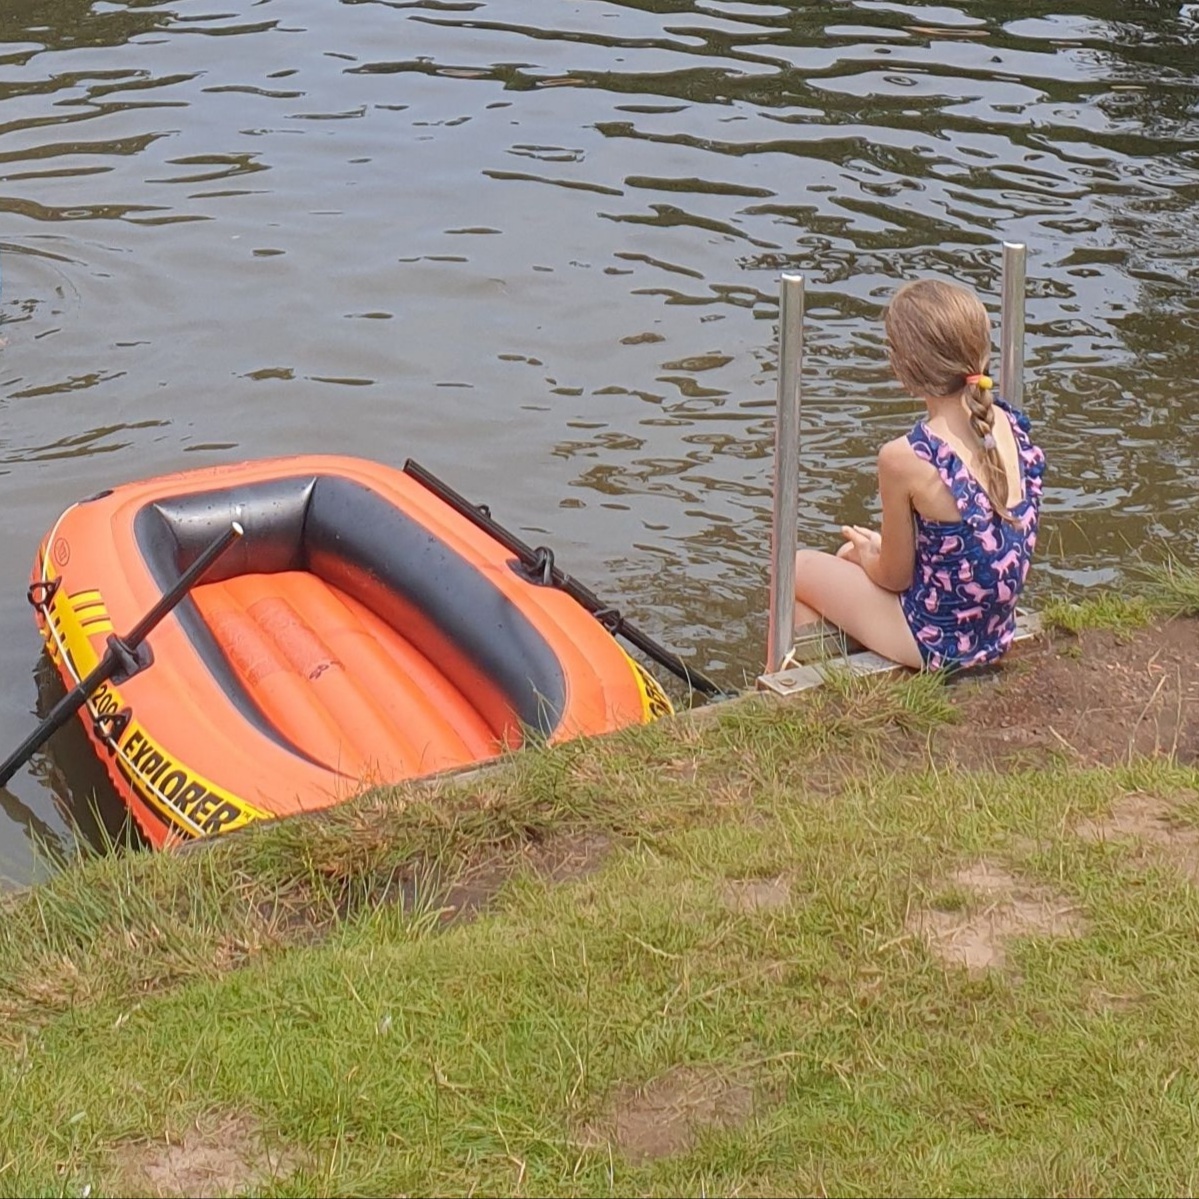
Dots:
pixel 899 459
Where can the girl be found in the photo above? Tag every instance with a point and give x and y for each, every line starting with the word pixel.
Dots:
pixel 960 495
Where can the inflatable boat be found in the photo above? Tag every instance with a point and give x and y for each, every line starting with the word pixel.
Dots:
pixel 361 630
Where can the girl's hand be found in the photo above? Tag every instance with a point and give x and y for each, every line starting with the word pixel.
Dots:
pixel 860 544
pixel 876 538
pixel 859 541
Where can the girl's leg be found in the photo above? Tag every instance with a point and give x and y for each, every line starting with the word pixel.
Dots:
pixel 805 614
pixel 845 595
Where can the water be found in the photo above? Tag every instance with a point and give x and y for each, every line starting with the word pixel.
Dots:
pixel 535 245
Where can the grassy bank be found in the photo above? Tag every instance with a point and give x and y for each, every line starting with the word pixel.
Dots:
pixel 892 938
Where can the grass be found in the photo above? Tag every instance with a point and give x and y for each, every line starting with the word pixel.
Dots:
pixel 1172 587
pixel 301 980
pixel 1117 613
pixel 1158 589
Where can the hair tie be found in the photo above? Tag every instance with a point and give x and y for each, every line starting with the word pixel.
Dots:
pixel 989 442
pixel 980 380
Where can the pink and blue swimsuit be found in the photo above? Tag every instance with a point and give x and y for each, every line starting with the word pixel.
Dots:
pixel 961 605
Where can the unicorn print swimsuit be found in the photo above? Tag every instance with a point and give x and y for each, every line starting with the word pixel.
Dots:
pixel 961 605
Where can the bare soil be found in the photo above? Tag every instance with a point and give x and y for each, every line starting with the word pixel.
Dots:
pixel 1148 823
pixel 999 908
pixel 566 857
pixel 665 1116
pixel 756 894
pixel 221 1156
pixel 1099 698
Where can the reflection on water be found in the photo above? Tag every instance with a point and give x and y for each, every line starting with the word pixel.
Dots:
pixel 536 247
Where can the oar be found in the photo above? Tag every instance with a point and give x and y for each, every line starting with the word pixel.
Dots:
pixel 121 654
pixel 540 561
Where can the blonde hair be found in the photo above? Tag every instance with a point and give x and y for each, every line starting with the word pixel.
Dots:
pixel 940 335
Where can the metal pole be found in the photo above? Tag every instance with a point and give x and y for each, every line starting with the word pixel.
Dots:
pixel 781 630
pixel 1011 330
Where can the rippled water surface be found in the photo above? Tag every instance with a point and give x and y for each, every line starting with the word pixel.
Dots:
pixel 535 244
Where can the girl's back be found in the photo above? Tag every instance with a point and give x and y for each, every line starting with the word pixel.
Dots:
pixel 971 561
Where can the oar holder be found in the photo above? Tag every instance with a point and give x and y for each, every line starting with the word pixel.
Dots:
pixel 130 660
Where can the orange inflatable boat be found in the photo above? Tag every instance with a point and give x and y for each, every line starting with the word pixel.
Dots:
pixel 361 631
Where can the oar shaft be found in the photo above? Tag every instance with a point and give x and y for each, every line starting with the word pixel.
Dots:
pixel 70 703
pixel 185 583
pixel 60 714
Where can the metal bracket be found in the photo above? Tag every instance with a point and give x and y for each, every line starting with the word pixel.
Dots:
pixel 109 727
pixel 610 618
pixel 540 570
pixel 42 591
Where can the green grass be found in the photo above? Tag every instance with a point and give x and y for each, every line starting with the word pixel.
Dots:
pixel 1120 614
pixel 1167 588
pixel 301 976
pixel 1172 587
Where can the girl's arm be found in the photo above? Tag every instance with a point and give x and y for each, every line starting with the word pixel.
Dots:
pixel 891 561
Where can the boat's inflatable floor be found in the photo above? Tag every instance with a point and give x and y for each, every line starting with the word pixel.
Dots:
pixel 333 677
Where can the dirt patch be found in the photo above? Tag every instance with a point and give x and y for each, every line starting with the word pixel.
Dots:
pixel 1099 698
pixel 563 858
pixel 1000 908
pixel 220 1156
pixel 1148 821
pixel 666 1116
pixel 756 894
pixel 474 889
pixel 570 857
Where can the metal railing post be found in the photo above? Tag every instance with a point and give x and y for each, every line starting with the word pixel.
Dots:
pixel 781 631
pixel 1011 329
